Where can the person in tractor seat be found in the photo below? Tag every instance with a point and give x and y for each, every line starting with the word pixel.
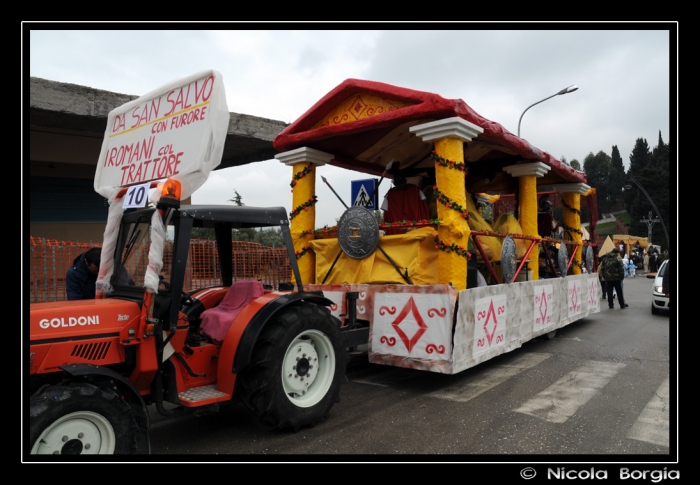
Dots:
pixel 82 275
pixel 403 202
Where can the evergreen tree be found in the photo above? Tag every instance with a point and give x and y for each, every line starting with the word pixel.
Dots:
pixel 575 164
pixel 639 159
pixel 597 168
pixel 640 156
pixel 238 200
pixel 654 177
pixel 617 179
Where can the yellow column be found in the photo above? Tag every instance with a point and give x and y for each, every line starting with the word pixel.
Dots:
pixel 527 174
pixel 527 185
pixel 449 136
pixel 572 216
pixel 303 214
pixel 453 228
pixel 303 218
pixel 572 219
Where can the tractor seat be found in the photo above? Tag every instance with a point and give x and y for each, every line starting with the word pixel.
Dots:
pixel 216 321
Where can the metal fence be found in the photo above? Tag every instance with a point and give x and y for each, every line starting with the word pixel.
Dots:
pixel 50 259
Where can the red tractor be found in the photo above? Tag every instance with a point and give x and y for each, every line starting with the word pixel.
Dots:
pixel 97 365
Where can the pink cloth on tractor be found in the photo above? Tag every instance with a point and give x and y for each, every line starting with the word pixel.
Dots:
pixel 216 321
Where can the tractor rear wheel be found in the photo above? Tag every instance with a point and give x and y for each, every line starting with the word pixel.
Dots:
pixel 80 418
pixel 296 370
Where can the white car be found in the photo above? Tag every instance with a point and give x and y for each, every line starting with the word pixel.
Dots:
pixel 659 297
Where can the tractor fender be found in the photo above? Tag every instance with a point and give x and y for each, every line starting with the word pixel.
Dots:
pixel 237 349
pixel 131 396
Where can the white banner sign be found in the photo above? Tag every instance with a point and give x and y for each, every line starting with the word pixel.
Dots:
pixel 174 131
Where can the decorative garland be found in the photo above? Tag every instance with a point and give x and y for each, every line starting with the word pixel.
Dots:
pixel 421 223
pixel 303 251
pixel 300 175
pixel 452 248
pixel 500 234
pixel 305 206
pixel 316 232
pixel 576 211
pixel 449 203
pixel 448 163
pixel 571 229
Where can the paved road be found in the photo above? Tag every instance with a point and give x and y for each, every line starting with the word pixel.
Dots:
pixel 603 386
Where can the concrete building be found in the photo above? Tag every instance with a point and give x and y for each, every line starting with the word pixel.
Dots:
pixel 66 126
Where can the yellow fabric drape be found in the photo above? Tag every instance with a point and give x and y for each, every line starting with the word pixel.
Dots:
pixel 414 253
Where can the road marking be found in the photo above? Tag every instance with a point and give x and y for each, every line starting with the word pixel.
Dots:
pixel 562 399
pixel 490 378
pixel 652 425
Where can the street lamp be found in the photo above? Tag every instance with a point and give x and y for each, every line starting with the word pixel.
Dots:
pixel 567 90
pixel 650 222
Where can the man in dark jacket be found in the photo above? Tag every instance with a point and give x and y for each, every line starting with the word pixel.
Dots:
pixel 81 277
pixel 614 273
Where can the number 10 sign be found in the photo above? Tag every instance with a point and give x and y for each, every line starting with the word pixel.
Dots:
pixel 136 196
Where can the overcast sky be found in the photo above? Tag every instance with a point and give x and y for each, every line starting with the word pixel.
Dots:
pixel 624 78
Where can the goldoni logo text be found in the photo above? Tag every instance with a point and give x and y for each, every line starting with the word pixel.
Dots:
pixel 69 322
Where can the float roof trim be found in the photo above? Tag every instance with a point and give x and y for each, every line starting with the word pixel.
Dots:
pixel 365 125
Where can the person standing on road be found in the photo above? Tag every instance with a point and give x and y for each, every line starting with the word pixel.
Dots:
pixel 614 273
pixel 652 261
pixel 646 262
pixel 636 261
pixel 603 283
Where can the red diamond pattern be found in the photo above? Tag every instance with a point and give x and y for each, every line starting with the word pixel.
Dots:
pixel 543 307
pixel 410 307
pixel 591 294
pixel 358 106
pixel 490 313
pixel 574 296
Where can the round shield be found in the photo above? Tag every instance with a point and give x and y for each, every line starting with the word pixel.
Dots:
pixel 589 259
pixel 509 259
pixel 358 232
pixel 563 260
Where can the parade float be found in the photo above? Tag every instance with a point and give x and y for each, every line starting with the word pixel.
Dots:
pixel 412 297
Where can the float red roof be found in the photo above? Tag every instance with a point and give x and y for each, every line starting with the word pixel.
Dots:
pixel 365 125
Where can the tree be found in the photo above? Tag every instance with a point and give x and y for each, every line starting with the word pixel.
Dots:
pixel 238 200
pixel 640 156
pixel 616 181
pixel 575 164
pixel 654 176
pixel 598 168
pixel 270 236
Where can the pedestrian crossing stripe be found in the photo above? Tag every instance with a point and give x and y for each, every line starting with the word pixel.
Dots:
pixel 555 404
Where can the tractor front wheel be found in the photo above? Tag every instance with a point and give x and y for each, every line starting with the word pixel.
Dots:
pixel 296 370
pixel 80 418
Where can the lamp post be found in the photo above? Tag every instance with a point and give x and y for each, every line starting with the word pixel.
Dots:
pixel 566 90
pixel 650 222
